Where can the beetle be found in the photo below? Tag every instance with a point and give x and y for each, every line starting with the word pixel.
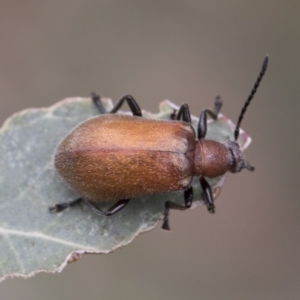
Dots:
pixel 120 157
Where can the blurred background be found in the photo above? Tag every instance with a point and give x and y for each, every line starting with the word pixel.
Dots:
pixel 189 52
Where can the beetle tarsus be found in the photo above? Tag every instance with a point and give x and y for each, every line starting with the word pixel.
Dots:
pixel 173 115
pixel 97 101
pixel 188 200
pixel 58 207
pixel 218 105
pixel 211 208
pixel 165 225
pixel 62 206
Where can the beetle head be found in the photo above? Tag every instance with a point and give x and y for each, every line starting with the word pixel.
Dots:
pixel 237 160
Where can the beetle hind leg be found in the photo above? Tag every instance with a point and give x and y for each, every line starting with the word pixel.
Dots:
pixel 134 107
pixel 111 211
pixel 188 200
pixel 62 206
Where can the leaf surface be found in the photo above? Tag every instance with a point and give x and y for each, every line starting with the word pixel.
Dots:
pixel 33 240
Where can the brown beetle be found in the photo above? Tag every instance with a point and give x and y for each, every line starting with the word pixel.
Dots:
pixel 120 157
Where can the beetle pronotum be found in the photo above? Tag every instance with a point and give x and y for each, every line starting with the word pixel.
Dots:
pixel 120 157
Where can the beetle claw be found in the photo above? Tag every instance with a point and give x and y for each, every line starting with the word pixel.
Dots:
pixel 165 226
pixel 211 209
pixel 58 207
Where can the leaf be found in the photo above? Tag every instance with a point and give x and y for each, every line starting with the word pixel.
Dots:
pixel 33 240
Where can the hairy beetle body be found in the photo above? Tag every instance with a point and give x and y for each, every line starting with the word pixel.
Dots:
pixel 114 157
pixel 120 157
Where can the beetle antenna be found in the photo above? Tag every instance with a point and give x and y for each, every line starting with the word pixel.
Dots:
pixel 250 97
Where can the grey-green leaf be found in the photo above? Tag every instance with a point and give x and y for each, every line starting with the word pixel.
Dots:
pixel 33 240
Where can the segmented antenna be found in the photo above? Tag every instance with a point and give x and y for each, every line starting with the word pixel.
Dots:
pixel 250 97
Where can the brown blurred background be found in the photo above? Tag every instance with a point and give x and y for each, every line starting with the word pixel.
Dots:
pixel 186 51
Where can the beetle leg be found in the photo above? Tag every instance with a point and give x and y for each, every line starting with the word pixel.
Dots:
pixel 173 115
pixel 97 101
pixel 217 106
pixel 188 199
pixel 114 209
pixel 111 211
pixel 202 124
pixel 61 206
pixel 184 112
pixel 134 107
pixel 207 194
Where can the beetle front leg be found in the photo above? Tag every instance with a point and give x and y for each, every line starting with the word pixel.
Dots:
pixel 207 194
pixel 188 200
pixel 202 124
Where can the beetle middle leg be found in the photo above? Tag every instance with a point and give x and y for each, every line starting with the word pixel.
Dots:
pixel 188 200
pixel 217 108
pixel 111 211
pixel 183 114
